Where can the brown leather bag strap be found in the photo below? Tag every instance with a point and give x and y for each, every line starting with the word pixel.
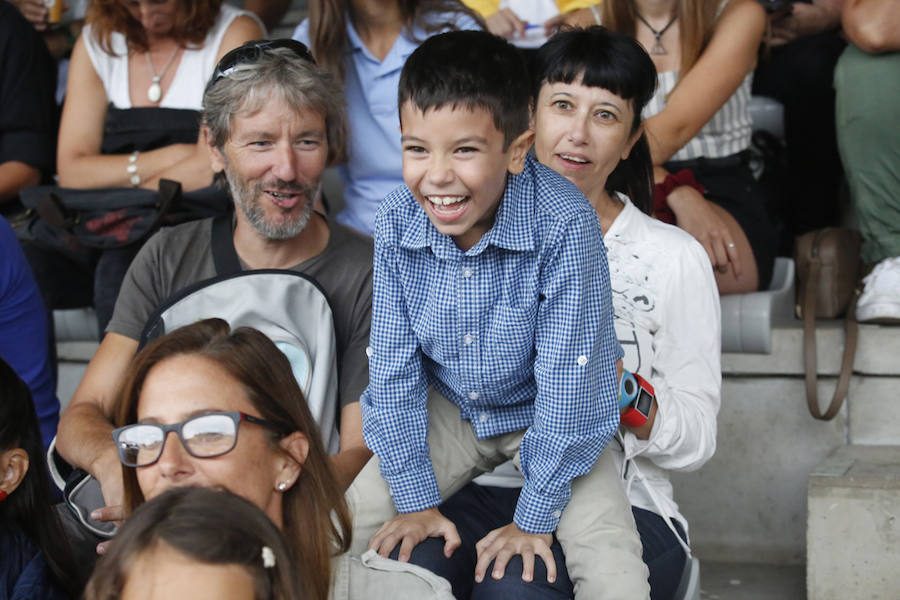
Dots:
pixel 851 330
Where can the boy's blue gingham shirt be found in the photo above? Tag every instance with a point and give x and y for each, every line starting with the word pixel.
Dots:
pixel 517 332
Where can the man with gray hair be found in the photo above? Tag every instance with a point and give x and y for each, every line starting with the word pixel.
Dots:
pixel 273 121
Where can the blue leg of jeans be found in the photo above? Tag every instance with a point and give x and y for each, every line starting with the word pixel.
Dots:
pixel 662 553
pixel 476 510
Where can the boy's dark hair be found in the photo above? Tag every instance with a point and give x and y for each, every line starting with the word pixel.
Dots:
pixel 616 62
pixel 470 69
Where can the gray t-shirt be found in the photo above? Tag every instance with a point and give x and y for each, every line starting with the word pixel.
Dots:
pixel 179 256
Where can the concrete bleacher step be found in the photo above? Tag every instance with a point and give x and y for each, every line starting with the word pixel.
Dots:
pixel 746 581
pixel 853 531
pixel 749 502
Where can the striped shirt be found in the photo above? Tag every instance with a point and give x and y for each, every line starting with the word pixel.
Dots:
pixel 727 133
pixel 517 332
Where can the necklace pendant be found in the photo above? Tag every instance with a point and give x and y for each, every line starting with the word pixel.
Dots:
pixel 658 49
pixel 154 92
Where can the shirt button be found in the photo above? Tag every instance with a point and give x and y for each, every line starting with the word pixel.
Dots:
pixel 369 351
pixel 557 514
pixel 484 417
pixel 467 273
pixel 468 339
pixel 582 360
pixel 473 395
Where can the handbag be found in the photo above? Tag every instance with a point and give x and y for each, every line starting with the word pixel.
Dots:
pixel 77 221
pixel 828 268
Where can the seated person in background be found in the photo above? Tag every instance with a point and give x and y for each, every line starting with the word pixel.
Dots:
pixel 203 379
pixel 590 88
pixel 130 58
pixel 510 19
pixel 492 331
pixel 24 333
pixel 705 52
pixel 27 110
pixel 35 560
pixel 364 44
pixel 197 543
pixel 867 81
pixel 797 69
pixel 273 121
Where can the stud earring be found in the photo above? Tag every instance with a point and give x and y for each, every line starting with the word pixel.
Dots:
pixel 3 495
pixel 282 486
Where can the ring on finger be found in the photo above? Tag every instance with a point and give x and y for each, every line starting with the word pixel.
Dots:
pixel 730 244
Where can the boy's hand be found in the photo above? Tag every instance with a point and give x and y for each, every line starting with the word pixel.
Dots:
pixel 411 528
pixel 504 543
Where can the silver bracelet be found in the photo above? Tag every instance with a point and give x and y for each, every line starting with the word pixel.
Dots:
pixel 132 169
pixel 594 12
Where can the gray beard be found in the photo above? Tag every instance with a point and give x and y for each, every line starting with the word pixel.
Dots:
pixel 246 197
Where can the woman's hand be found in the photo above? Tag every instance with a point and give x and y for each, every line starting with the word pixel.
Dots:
pixel 580 17
pixel 504 543
pixel 695 215
pixel 806 19
pixel 34 11
pixel 506 23
pixel 411 528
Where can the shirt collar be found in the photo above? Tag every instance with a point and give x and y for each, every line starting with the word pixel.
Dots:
pixel 403 46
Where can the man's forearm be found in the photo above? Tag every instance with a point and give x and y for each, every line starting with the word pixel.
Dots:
pixel 348 463
pixel 85 440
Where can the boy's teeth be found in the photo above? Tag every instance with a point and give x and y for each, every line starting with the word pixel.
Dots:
pixel 445 200
pixel 573 158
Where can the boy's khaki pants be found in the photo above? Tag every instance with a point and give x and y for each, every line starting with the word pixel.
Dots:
pixel 596 530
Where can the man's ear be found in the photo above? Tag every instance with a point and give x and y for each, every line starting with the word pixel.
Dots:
pixel 518 150
pixel 216 159
pixel 296 449
pixel 13 467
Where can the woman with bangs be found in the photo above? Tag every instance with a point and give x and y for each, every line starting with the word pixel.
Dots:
pixel 131 118
pixel 698 127
pixel 591 86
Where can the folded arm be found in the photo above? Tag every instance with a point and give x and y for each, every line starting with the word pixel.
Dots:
pixel 873 25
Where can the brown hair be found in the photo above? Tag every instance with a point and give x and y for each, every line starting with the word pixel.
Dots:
pixel 265 374
pixel 193 20
pixel 696 19
pixel 328 26
pixel 210 526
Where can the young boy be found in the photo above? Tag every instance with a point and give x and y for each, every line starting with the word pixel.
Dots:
pixel 492 334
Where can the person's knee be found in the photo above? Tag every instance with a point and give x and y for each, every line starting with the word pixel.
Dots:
pixel 511 585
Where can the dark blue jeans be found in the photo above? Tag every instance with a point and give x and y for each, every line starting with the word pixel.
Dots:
pixel 476 510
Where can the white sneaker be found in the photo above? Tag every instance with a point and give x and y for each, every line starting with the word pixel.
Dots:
pixel 880 300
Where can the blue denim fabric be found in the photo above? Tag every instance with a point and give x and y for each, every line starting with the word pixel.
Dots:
pixel 476 510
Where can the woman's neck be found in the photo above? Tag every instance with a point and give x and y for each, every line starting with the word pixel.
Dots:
pixel 656 10
pixel 378 23
pixel 606 207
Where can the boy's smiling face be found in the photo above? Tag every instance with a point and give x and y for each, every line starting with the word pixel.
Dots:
pixel 455 166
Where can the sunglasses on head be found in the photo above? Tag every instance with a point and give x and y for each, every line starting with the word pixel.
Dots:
pixel 203 436
pixel 251 51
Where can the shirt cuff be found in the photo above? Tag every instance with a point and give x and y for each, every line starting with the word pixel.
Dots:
pixel 413 491
pixel 540 513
